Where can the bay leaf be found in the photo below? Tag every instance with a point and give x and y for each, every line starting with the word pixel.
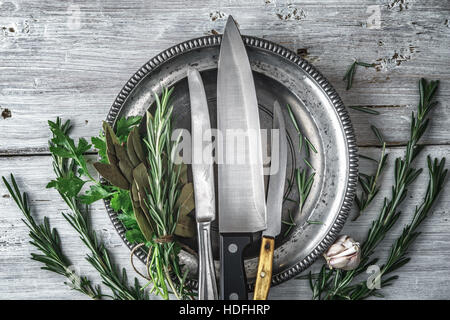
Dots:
pixel 140 176
pixel 134 192
pixel 142 222
pixel 127 170
pixel 137 144
pixel 130 148
pixel 186 224
pixel 112 157
pixel 112 173
pixel 143 205
pixel 111 139
pixel 122 155
pixel 110 136
pixel 183 173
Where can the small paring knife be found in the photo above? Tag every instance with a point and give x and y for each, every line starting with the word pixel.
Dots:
pixel 203 178
pixel 274 206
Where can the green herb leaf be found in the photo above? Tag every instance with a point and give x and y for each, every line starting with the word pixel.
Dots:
pixel 365 109
pixel 364 64
pixel 350 73
pixel 121 202
pixel 135 236
pixel 95 193
pixel 377 134
pixel 100 144
pixel 124 126
pixel 69 185
pixel 61 145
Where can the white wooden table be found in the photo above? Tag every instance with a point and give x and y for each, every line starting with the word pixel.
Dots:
pixel 70 59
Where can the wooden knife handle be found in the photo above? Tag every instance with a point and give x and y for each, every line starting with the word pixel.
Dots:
pixel 264 274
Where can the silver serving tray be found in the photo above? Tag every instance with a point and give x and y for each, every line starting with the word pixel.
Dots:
pixel 281 75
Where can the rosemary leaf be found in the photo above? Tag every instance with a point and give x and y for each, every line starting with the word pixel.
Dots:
pixel 365 109
pixel 377 133
pixel 350 73
pixel 364 64
pixel 314 222
pixel 310 145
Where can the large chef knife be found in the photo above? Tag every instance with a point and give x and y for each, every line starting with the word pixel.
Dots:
pixel 203 176
pixel 242 209
pixel 274 206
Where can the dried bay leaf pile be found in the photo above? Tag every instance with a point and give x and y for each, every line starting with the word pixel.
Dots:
pixel 127 169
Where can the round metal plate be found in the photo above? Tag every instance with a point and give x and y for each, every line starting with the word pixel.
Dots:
pixel 281 75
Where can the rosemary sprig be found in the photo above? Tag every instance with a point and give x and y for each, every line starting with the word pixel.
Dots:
pixel 369 183
pixel 398 253
pixel 67 175
pixel 309 146
pixel 304 180
pixel 405 174
pixel 47 241
pixel 302 139
pixel 336 284
pixel 161 200
pixel 350 73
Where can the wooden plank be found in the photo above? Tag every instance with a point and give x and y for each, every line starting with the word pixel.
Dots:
pixel 71 60
pixel 21 278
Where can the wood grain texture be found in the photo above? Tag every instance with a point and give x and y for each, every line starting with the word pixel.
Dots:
pixel 265 265
pixel 23 278
pixel 70 59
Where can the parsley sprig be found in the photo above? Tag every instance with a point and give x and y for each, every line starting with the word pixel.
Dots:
pixel 70 168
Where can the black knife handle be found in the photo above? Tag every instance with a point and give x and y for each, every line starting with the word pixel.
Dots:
pixel 233 281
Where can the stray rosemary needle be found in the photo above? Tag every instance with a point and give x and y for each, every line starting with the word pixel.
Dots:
pixel 350 73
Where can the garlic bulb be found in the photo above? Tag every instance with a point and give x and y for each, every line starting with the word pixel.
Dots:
pixel 344 254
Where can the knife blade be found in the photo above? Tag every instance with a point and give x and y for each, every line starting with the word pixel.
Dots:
pixel 274 205
pixel 242 209
pixel 203 178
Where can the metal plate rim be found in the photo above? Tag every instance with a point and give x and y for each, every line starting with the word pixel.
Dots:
pixel 316 76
